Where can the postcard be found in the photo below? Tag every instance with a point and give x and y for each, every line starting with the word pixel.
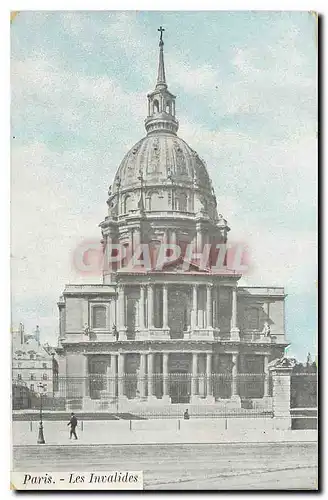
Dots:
pixel 164 250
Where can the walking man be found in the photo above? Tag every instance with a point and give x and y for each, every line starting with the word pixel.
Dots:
pixel 73 424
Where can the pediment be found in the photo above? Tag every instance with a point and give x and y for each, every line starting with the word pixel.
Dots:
pixel 180 266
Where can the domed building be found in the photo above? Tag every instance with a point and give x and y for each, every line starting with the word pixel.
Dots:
pixel 166 326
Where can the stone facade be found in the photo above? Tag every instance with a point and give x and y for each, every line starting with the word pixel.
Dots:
pixel 127 339
pixel 32 364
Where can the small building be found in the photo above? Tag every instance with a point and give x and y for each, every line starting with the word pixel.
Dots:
pixel 31 363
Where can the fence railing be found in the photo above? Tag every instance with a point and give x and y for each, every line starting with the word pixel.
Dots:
pixel 177 389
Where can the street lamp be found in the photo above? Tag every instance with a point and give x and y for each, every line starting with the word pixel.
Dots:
pixel 42 387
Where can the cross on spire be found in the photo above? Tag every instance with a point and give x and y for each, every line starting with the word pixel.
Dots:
pixel 161 70
pixel 161 29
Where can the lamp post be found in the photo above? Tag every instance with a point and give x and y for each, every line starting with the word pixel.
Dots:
pixel 41 440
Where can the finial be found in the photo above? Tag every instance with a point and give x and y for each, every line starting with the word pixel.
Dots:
pixel 161 29
pixel 161 81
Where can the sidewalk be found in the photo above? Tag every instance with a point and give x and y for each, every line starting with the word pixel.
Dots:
pixel 165 432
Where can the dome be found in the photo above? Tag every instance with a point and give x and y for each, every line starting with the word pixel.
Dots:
pixel 161 175
pixel 161 159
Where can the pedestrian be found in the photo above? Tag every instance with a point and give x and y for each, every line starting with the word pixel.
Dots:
pixel 73 424
pixel 186 415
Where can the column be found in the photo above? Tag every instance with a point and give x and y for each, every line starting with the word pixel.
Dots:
pixel 199 240
pixel 150 299
pixel 85 380
pixel 165 237
pixel 142 375
pixel 173 237
pixel 165 375
pixel 234 373
pixel 209 310
pixel 136 240
pixel 194 374
pixel 150 369
pixel 194 322
pixel 266 375
pixel 234 331
pixel 120 374
pixel 208 374
pixel 142 308
pixel 165 308
pixel 121 308
pixel 112 375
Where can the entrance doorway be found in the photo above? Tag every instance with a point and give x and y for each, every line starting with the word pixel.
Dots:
pixel 97 377
pixel 180 387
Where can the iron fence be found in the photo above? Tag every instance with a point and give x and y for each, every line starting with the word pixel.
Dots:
pixel 176 388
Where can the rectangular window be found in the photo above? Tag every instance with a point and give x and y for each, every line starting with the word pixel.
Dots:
pixel 32 376
pixel 32 387
pixel 99 317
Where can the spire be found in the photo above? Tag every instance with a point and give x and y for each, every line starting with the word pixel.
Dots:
pixel 161 82
pixel 161 103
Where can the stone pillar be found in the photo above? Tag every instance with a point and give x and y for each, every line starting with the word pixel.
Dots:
pixel 136 240
pixel 266 375
pixel 142 308
pixel 173 237
pixel 217 311
pixel 112 374
pixel 165 308
pixel 209 310
pixel 199 239
pixel 150 370
pixel 209 391
pixel 165 376
pixel 234 331
pixel 142 375
pixel 85 380
pixel 121 312
pixel 165 237
pixel 194 374
pixel 234 374
pixel 150 299
pixel 194 317
pixel 281 395
pixel 120 375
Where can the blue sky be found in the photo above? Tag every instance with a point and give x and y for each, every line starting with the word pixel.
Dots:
pixel 246 101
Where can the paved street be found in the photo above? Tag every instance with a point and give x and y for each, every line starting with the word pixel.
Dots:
pixel 178 466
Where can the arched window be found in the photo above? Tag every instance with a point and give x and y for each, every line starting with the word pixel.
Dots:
pixel 156 106
pixel 125 203
pixel 32 377
pixel 168 107
pixel 99 317
pixel 19 376
pixel 44 376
